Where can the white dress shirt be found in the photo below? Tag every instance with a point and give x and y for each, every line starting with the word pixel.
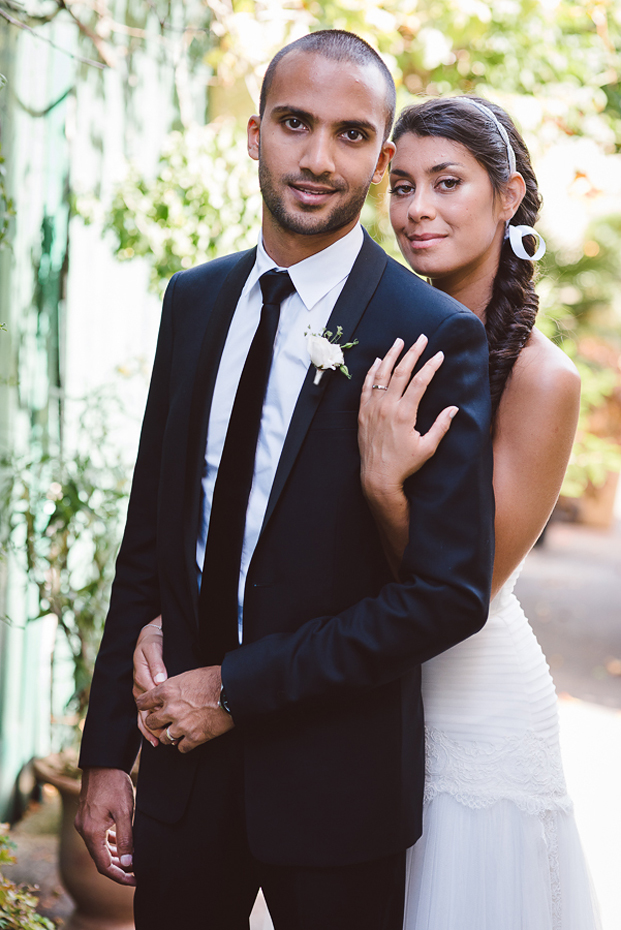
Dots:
pixel 318 282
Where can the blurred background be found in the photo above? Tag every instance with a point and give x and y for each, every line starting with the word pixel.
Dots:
pixel 123 160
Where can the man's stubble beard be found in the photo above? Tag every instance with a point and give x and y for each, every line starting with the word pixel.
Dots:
pixel 305 224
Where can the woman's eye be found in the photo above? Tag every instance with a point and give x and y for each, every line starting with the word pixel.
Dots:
pixel 450 184
pixel 401 190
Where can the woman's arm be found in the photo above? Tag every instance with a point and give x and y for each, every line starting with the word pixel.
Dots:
pixel 535 430
pixel 391 448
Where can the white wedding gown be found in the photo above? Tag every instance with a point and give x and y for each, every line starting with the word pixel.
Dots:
pixel 500 849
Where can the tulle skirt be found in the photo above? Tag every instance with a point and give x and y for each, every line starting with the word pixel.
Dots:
pixel 497 868
pixel 500 849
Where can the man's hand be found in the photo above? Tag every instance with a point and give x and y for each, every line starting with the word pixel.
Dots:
pixel 107 804
pixel 185 708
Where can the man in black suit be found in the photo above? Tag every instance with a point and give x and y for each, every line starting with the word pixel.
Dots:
pixel 291 721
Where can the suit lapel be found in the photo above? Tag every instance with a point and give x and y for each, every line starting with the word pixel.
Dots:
pixel 348 311
pixel 202 395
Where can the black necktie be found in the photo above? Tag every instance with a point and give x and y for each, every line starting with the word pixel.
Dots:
pixel 219 587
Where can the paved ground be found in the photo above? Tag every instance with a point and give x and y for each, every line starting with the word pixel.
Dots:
pixel 571 591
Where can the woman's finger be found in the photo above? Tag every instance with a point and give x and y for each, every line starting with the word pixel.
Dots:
pixel 418 385
pixel 384 369
pixel 368 382
pixel 149 668
pixel 438 430
pixel 403 371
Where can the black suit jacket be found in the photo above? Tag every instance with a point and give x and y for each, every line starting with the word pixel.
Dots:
pixel 325 691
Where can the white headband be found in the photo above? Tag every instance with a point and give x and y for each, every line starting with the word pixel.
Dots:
pixel 504 135
pixel 514 234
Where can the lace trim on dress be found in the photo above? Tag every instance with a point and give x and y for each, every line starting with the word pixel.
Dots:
pixel 524 769
pixel 551 836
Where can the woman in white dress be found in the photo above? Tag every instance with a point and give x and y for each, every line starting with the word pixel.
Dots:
pixel 499 849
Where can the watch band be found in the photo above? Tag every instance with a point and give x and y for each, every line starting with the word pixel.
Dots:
pixel 223 704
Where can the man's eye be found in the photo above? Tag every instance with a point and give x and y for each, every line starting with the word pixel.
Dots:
pixel 293 123
pixel 353 135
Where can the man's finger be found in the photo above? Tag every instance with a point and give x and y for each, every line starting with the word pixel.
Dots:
pixel 150 699
pixel 146 732
pixel 158 720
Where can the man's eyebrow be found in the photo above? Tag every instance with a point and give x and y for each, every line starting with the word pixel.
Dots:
pixel 436 168
pixel 294 111
pixel 308 117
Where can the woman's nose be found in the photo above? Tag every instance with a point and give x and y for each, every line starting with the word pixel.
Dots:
pixel 421 206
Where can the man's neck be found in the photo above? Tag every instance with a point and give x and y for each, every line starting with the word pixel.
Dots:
pixel 287 248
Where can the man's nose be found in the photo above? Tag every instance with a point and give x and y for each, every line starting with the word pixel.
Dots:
pixel 421 205
pixel 318 154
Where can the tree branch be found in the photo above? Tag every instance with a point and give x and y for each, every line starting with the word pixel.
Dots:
pixel 21 25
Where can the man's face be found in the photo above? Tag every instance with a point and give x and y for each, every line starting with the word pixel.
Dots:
pixel 319 145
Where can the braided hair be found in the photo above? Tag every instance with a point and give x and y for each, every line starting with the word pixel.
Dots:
pixel 511 311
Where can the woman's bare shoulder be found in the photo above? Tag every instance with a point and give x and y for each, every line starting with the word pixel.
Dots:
pixel 544 370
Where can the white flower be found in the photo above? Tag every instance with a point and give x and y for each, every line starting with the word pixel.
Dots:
pixel 326 353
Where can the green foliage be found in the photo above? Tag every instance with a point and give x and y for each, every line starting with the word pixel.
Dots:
pixel 203 203
pixel 7 209
pixel 64 525
pixel 577 307
pixel 17 902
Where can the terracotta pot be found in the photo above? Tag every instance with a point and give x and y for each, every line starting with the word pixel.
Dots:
pixel 101 904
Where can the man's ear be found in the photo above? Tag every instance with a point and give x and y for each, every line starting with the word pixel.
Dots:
pixel 513 195
pixel 254 127
pixel 388 150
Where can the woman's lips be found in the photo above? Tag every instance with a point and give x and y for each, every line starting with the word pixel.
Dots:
pixel 425 240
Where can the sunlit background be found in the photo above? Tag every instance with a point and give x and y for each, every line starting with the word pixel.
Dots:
pixel 123 160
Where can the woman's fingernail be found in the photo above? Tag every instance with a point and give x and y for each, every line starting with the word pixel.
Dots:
pixel 439 355
pixel 421 338
pixel 453 411
pixel 154 743
pixel 159 678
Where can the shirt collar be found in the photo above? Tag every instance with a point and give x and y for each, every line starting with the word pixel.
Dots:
pixel 315 276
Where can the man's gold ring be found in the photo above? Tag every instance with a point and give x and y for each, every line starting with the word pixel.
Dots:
pixel 173 740
pixel 379 387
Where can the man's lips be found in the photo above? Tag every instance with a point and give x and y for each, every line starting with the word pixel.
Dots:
pixel 312 194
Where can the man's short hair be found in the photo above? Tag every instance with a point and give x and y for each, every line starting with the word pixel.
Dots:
pixel 337 45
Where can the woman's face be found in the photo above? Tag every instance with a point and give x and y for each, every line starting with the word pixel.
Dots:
pixel 447 221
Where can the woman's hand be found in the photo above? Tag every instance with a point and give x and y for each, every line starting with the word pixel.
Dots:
pixel 149 670
pixel 391 448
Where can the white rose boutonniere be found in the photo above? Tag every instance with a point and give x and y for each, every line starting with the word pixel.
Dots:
pixel 326 353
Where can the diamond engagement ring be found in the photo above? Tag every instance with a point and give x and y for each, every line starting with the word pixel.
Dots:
pixel 173 740
pixel 379 387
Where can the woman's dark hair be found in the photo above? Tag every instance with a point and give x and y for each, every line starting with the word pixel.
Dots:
pixel 511 311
